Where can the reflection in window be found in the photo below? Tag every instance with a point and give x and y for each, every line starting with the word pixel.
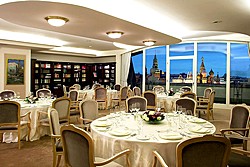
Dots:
pixel 239 73
pixel 211 69
pixel 137 59
pixel 155 67
pixel 184 49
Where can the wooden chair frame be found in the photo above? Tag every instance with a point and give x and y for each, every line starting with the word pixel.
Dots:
pixel 87 136
pixel 18 123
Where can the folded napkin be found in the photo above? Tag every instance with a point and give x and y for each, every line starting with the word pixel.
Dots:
pixel 171 136
pixel 199 129
pixel 120 132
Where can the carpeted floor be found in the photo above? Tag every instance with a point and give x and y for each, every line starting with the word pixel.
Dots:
pixel 39 153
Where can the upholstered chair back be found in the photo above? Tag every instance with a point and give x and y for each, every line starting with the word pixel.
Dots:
pixel 7 94
pixel 137 99
pixel 54 121
pixel 73 95
pixel 191 95
pixel 207 92
pixel 187 103
pixel 204 151
pixel 100 94
pixel 239 118
pixel 62 105
pixel 124 93
pixel 137 91
pixel 78 147
pixel 89 109
pixel 9 112
pixel 151 99
pixel 186 89
pixel 44 91
pixel 117 87
pixel 158 89
pixel 77 86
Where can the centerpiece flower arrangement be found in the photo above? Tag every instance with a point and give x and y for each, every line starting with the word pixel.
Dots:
pixel 152 116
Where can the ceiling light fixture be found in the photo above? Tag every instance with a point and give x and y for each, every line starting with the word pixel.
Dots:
pixel 56 21
pixel 149 42
pixel 114 34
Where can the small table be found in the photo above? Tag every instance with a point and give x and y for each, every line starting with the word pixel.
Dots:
pixel 162 137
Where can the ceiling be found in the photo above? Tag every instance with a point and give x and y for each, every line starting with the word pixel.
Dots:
pixel 22 24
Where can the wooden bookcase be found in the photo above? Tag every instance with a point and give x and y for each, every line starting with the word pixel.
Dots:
pixel 53 75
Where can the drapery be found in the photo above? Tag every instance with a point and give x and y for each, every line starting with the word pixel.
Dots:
pixel 125 68
pixel 131 75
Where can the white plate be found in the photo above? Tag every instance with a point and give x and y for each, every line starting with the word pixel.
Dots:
pixel 142 137
pixel 171 136
pixel 102 123
pixel 197 120
pixel 120 132
pixel 199 129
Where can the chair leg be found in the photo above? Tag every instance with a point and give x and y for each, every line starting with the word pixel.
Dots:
pixel 19 140
pixel 58 160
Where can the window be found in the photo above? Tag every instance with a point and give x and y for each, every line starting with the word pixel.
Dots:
pixel 155 67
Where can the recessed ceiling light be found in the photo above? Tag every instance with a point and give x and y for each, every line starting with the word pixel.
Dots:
pixel 149 42
pixel 56 21
pixel 115 34
pixel 217 21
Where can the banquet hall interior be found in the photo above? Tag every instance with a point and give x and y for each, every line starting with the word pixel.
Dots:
pixel 152 74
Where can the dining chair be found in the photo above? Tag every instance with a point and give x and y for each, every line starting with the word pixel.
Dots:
pixel 158 88
pixel 88 112
pixel 186 89
pixel 206 105
pixel 188 105
pixel 136 99
pixel 121 98
pixel 240 156
pixel 96 85
pixel 7 94
pixel 77 86
pixel 238 125
pixel 205 151
pixel 72 88
pixel 55 136
pixel 62 105
pixel 137 91
pixel 78 149
pixel 206 94
pixel 151 99
pixel 43 93
pixel 101 96
pixel 12 121
pixel 189 94
pixel 74 106
pixel 65 91
pixel 117 87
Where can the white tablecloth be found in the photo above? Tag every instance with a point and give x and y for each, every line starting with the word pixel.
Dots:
pixel 41 105
pixel 107 144
pixel 167 102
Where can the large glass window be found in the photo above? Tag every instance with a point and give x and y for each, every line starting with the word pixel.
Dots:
pixel 211 69
pixel 155 67
pixel 239 73
pixel 137 59
pixel 184 49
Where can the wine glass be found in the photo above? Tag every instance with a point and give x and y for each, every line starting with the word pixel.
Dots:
pixel 18 95
pixel 137 107
pixel 158 107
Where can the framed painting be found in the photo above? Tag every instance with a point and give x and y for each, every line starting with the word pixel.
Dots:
pixel 15 72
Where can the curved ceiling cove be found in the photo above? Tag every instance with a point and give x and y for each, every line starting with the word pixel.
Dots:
pixel 83 22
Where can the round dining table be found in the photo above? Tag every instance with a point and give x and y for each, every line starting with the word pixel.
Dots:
pixel 118 131
pixel 41 105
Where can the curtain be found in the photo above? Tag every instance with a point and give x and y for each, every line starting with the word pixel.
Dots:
pixel 125 68
pixel 131 75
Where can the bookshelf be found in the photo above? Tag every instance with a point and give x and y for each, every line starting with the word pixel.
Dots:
pixel 53 75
